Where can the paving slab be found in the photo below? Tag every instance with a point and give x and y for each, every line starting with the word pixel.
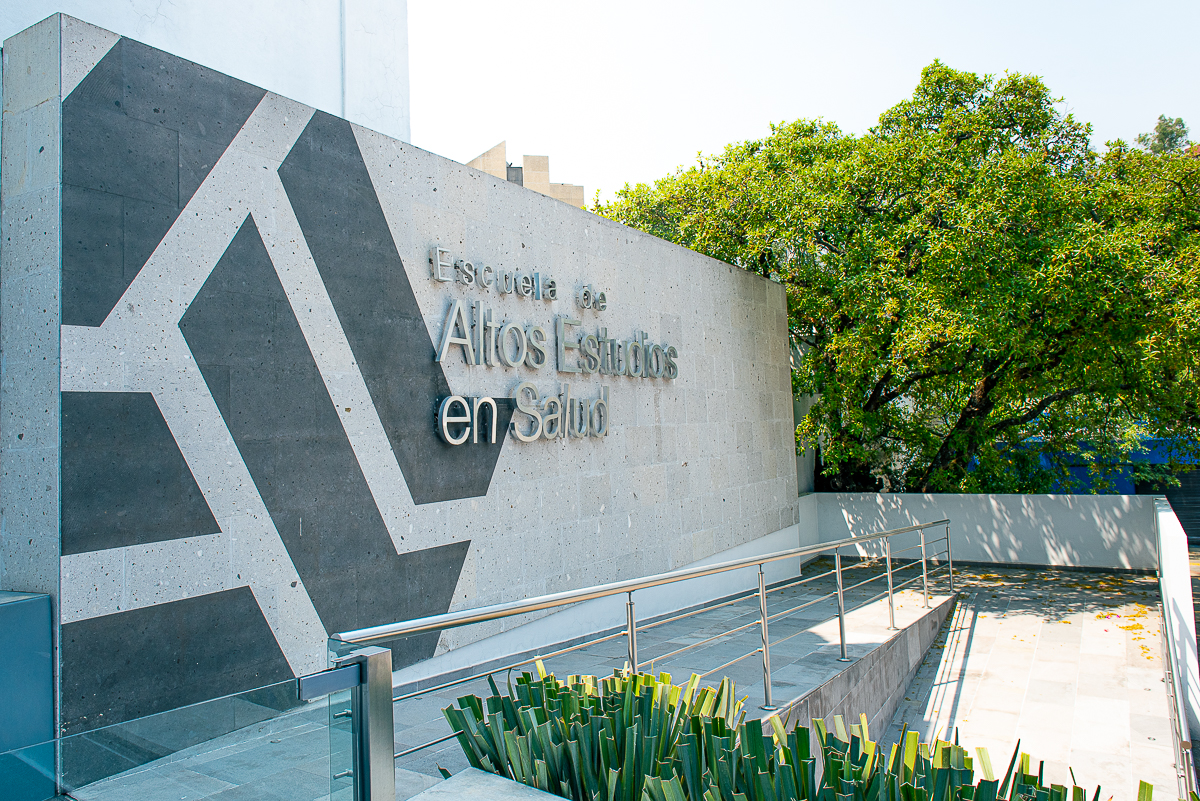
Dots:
pixel 478 785
pixel 1068 662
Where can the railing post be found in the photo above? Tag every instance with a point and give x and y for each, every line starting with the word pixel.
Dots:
pixel 768 704
pixel 631 632
pixel 887 544
pixel 950 558
pixel 837 567
pixel 374 764
pixel 924 571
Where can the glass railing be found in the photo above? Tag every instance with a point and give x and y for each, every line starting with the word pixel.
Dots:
pixel 266 742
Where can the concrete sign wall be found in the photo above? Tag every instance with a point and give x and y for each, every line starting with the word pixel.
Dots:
pixel 241 338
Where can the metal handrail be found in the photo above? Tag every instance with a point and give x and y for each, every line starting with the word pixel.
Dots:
pixel 466 617
pixel 630 586
pixel 736 599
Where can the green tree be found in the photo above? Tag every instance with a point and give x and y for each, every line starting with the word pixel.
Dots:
pixel 978 297
pixel 1170 136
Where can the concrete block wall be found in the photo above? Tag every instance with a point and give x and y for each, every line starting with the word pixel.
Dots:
pixel 874 684
pixel 219 389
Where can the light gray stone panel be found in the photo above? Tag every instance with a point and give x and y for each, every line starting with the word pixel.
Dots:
pixel 31 152
pixel 33 55
pixel 29 312
pixel 83 45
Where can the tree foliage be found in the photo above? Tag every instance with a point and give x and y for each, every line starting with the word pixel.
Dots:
pixel 1170 136
pixel 978 298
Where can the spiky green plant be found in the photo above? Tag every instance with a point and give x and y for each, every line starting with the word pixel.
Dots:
pixel 587 738
pixel 640 738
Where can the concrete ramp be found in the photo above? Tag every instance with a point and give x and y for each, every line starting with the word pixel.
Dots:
pixel 874 683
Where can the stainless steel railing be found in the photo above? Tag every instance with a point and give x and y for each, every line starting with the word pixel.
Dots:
pixel 465 617
pixel 368 753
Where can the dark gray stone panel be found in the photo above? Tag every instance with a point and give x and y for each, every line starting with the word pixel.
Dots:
pixel 124 481
pixel 146 127
pixel 333 197
pixel 254 357
pixel 93 253
pixel 143 661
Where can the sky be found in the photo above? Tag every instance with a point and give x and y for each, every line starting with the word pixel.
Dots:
pixel 623 91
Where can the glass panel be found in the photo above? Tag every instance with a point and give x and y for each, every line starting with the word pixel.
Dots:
pixel 266 742
pixel 341 753
pixel 28 773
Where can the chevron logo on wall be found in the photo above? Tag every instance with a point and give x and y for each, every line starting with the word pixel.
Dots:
pixel 243 355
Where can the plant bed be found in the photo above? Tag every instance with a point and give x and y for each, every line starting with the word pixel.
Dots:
pixel 641 738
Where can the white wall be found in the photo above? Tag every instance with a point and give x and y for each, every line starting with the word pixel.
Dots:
pixel 1176 585
pixel 290 47
pixel 1103 531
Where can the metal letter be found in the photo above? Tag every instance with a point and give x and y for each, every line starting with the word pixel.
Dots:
pixel 654 361
pixel 548 417
pixel 504 282
pixel 591 358
pixel 605 351
pixel 502 346
pixel 578 419
pixel 437 263
pixel 550 290
pixel 634 347
pixel 619 363
pixel 671 371
pixel 479 326
pixel 560 330
pixel 530 407
pixel 456 317
pixel 445 418
pixel 599 411
pixel 601 302
pixel 524 285
pixel 487 276
pixel 489 350
pixel 535 336
pixel 466 271
pixel 477 404
pixel 565 414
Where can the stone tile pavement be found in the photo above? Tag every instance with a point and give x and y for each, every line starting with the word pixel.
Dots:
pixel 1068 662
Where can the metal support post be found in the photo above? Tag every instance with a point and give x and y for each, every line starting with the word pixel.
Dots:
pixel 887 545
pixel 924 571
pixel 837 567
pixel 631 632
pixel 950 558
pixel 768 704
pixel 373 732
